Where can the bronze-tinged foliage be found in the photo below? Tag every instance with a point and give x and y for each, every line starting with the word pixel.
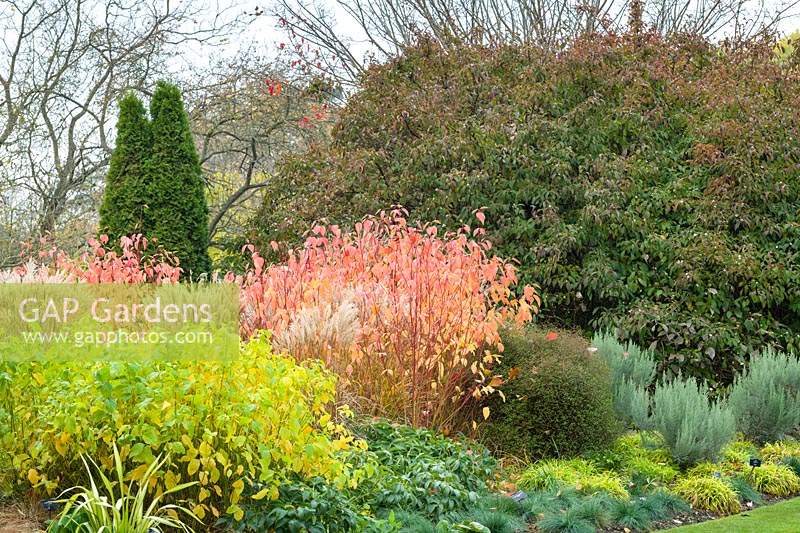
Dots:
pixel 558 398
pixel 650 188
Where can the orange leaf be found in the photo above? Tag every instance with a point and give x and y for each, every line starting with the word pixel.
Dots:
pixel 551 336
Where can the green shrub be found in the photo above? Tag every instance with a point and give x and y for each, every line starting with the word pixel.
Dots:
pixel 414 523
pixel 557 397
pixel 541 502
pixel 737 455
pixel 775 479
pixel 314 505
pixel 632 372
pixel 420 471
pixel 693 427
pixel 638 456
pixel 174 202
pixel 121 212
pixel 503 504
pixel 154 184
pixel 708 493
pixel 705 469
pixel 550 473
pixel 603 483
pixel 594 510
pixel 574 473
pixel 662 504
pixel 663 209
pixel 793 463
pixel 569 521
pixel 648 469
pixel 765 398
pixel 496 521
pixel 645 444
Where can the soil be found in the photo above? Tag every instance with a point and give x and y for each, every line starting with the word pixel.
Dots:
pixel 17 519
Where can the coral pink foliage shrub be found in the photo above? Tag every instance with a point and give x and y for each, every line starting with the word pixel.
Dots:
pixel 408 318
pixel 427 312
pixel 96 265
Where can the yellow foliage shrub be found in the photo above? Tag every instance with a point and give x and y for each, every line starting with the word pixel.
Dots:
pixel 259 419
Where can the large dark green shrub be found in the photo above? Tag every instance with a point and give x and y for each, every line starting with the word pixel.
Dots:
pixel 558 397
pixel 176 212
pixel 650 189
pixel 122 208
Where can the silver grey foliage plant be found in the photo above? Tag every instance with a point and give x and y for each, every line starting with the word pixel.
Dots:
pixel 765 397
pixel 632 372
pixel 693 427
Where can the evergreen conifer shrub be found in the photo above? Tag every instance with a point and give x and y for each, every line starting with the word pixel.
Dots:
pixel 154 185
pixel 558 398
pixel 122 208
pixel 176 211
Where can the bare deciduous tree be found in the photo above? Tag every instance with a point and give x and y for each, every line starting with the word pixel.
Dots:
pixel 386 26
pixel 245 115
pixel 63 65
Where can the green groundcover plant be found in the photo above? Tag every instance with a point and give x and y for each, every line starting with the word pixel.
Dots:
pixel 649 186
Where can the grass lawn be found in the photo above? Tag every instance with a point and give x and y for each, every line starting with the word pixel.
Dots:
pixel 782 517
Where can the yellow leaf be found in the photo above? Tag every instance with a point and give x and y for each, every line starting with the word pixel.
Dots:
pixel 261 494
pixel 204 449
pixel 170 479
pixel 236 511
pixel 194 466
pixel 485 413
pixel 137 473
pixel 203 495
pixel 61 444
pixel 200 511
pixel 33 476
pixel 39 378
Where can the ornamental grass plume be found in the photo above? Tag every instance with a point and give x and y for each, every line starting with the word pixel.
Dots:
pixel 429 308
